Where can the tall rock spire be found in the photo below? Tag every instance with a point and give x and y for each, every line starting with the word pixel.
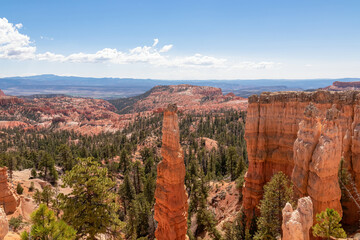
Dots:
pixel 171 198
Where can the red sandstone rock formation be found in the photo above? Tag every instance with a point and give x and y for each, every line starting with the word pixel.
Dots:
pixel 297 223
pixel 2 94
pixel 343 86
pixel 4 224
pixel 304 135
pixel 8 199
pixel 171 198
pixel 83 115
pixel 12 124
pixel 189 98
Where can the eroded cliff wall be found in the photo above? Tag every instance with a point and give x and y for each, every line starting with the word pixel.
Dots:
pixel 304 135
pixel 171 198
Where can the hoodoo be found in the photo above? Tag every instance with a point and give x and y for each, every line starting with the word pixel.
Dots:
pixel 297 223
pixel 171 198
pixel 304 135
pixel 8 199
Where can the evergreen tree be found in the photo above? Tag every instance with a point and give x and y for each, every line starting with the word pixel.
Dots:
pixel 45 196
pixel 232 159
pixel 277 192
pixel 124 164
pixel 45 226
pixel 91 206
pixel 328 225
pixel 127 192
pixel 65 157
pixel 47 167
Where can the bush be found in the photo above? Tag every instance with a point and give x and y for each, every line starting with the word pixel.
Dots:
pixel 15 223
pixel 31 188
pixel 19 189
pixel 33 173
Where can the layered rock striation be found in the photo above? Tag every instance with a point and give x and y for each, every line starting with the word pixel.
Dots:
pixel 171 198
pixel 4 224
pixel 297 223
pixel 304 135
pixel 8 200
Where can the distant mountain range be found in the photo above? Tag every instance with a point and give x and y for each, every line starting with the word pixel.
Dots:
pixel 109 88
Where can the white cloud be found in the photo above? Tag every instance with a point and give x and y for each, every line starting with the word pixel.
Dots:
pixel 14 45
pixel 166 48
pixel 156 41
pixel 256 65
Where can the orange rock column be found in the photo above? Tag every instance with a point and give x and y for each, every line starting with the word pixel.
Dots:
pixel 171 198
pixel 8 199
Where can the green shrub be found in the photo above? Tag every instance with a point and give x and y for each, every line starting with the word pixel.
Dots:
pixel 19 189
pixel 15 223
pixel 33 173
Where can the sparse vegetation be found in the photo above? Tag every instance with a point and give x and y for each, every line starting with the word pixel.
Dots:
pixel 15 223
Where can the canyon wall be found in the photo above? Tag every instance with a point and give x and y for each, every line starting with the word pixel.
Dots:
pixel 171 198
pixel 304 135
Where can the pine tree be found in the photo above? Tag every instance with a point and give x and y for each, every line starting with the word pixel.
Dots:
pixel 91 206
pixel 124 163
pixel 232 159
pixel 46 226
pixel 277 192
pixel 127 192
pixel 328 225
pixel 45 196
pixel 65 157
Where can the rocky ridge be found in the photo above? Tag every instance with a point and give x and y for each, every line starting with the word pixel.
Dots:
pixel 343 86
pixel 171 198
pixel 304 135
pixel 83 115
pixel 188 98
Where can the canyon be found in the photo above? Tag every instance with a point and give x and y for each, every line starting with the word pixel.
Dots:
pixel 95 116
pixel 304 135
pixel 171 206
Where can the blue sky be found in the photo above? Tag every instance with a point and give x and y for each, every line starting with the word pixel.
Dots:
pixel 194 39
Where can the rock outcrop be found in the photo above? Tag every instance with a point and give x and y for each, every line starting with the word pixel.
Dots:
pixel 297 223
pixel 4 224
pixel 304 135
pixel 171 198
pixel 8 200
pixel 343 86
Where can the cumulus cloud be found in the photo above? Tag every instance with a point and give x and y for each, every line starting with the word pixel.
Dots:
pixel 14 45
